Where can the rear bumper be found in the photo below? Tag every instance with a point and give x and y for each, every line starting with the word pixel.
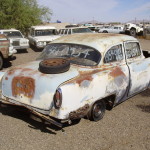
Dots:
pixel 35 113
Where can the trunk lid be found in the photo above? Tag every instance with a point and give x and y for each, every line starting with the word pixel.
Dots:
pixel 26 84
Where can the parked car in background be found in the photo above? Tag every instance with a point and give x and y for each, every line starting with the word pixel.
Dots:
pixel 78 75
pixel 146 32
pixel 40 36
pixel 74 30
pixel 17 39
pixel 111 29
pixel 133 29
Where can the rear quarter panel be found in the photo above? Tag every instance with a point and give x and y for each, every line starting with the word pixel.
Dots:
pixel 92 85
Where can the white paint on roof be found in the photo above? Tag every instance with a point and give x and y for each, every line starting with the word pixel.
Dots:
pixel 42 27
pixel 99 41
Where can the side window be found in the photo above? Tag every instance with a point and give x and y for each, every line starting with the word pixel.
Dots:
pixel 66 31
pixel 62 31
pixel 114 54
pixel 69 32
pixel 132 50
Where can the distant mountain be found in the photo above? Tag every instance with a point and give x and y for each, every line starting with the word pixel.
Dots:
pixel 98 22
pixel 88 22
pixel 138 21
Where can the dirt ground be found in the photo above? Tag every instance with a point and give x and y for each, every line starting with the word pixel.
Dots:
pixel 126 127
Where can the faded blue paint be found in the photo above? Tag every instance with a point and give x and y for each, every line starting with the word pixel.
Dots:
pixel 142 65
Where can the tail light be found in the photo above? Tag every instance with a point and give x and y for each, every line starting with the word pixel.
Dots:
pixel 58 98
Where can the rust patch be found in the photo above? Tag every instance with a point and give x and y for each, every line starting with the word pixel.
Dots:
pixel 87 75
pixel 79 113
pixel 116 72
pixel 26 69
pixel 11 72
pixel 83 78
pixel 23 85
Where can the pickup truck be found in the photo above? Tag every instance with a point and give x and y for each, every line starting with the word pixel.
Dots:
pixel 133 29
pixel 78 75
pixel 111 29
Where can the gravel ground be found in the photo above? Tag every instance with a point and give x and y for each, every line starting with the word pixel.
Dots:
pixel 126 127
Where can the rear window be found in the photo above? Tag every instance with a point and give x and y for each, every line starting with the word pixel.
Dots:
pixel 81 30
pixel 77 54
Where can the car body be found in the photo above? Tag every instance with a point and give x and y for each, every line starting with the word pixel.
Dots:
pixel 111 29
pixel 146 32
pixel 17 39
pixel 78 75
pixel 40 36
pixel 133 29
pixel 74 30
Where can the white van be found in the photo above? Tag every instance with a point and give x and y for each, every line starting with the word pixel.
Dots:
pixel 40 36
pixel 74 30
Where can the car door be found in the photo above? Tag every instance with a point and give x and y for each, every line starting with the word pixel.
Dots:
pixel 117 71
pixel 138 66
pixel 115 30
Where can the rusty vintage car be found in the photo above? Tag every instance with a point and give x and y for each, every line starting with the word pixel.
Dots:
pixel 77 76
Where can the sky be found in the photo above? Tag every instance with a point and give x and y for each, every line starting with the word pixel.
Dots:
pixel 76 11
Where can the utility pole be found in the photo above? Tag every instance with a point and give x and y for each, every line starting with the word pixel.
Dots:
pixel 93 20
pixel 135 20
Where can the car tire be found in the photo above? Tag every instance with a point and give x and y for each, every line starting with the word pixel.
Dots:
pixel 105 31
pixel 133 32
pixel 97 111
pixel 1 62
pixel 54 65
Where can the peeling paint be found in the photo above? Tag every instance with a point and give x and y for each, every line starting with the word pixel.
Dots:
pixel 116 72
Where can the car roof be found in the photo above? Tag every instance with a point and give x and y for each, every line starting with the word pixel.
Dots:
pixel 99 41
pixel 42 27
pixel 3 30
pixel 74 28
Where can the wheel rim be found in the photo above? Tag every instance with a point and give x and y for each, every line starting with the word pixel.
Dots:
pixel 97 110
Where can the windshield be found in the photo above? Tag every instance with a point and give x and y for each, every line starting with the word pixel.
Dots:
pixel 45 32
pixel 13 34
pixel 77 54
pixel 81 30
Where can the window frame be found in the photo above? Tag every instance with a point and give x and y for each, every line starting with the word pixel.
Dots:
pixel 71 44
pixel 123 57
pixel 66 31
pixel 139 48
